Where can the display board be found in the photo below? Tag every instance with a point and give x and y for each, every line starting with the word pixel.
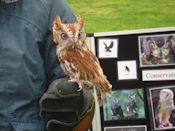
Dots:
pixel 140 65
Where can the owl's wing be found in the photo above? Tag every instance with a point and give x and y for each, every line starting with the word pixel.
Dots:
pixel 80 61
pixel 90 54
pixel 83 64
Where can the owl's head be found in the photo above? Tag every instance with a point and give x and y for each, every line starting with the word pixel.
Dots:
pixel 155 50
pixel 69 35
pixel 166 95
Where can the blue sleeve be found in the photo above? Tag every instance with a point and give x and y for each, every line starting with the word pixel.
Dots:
pixel 52 65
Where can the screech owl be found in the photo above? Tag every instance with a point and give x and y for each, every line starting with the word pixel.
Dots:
pixel 76 59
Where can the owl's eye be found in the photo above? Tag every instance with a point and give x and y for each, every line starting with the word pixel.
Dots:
pixel 81 35
pixel 64 36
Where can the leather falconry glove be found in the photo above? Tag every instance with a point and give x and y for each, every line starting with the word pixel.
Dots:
pixel 66 109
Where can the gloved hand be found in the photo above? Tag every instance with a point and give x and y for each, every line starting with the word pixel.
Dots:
pixel 62 106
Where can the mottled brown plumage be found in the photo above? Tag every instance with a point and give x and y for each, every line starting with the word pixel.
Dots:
pixel 77 61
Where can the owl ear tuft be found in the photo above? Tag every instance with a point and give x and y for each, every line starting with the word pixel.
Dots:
pixel 57 23
pixel 80 20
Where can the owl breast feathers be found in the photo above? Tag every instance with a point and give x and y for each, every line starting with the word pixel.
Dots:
pixel 77 61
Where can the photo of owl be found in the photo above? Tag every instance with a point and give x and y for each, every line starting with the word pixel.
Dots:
pixel 162 105
pixel 126 104
pixel 76 59
pixel 157 50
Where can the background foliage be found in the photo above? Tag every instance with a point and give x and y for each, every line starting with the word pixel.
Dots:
pixel 113 15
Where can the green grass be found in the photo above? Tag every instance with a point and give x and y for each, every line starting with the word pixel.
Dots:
pixel 114 15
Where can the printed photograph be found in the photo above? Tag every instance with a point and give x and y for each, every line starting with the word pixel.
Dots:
pixel 124 105
pixel 127 70
pixel 107 48
pixel 162 108
pixel 126 128
pixel 157 50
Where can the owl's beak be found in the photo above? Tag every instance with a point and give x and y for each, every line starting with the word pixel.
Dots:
pixel 76 40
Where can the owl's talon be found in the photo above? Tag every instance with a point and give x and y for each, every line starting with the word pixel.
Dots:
pixel 72 80
pixel 80 88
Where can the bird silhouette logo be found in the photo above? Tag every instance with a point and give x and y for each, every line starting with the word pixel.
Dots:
pixel 127 69
pixel 109 47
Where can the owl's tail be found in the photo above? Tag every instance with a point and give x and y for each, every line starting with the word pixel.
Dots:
pixel 103 88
